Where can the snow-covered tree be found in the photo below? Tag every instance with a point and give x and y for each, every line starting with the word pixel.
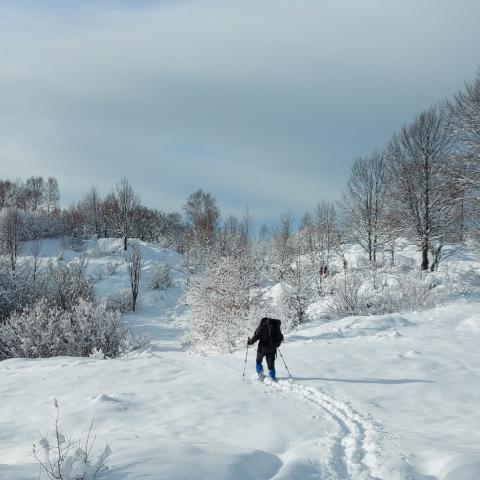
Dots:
pixel 300 276
pixel 221 303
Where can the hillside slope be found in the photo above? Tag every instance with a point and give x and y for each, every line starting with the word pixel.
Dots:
pixel 386 397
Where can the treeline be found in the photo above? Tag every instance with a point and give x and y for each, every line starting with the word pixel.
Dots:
pixel 31 210
pixel 423 185
pixel 35 194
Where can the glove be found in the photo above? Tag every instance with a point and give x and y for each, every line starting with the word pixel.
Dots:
pixel 249 342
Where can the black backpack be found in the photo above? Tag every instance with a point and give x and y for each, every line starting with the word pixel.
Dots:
pixel 272 326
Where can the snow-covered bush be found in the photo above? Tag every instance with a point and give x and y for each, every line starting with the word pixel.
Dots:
pixel 23 287
pixel 44 331
pixel 69 283
pixel 95 327
pixel 348 298
pixel 36 332
pixel 280 301
pixel 358 292
pixel 120 301
pixel 62 458
pixel 62 285
pixel 111 267
pixel 408 291
pixel 160 276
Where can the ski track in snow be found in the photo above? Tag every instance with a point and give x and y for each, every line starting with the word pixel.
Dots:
pixel 355 451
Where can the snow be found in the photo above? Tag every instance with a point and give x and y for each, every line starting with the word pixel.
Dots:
pixel 392 397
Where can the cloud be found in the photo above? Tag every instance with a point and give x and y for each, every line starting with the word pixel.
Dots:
pixel 262 103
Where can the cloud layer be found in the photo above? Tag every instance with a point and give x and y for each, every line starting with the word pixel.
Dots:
pixel 264 104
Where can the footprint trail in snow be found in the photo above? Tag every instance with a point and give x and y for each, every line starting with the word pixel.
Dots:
pixel 355 452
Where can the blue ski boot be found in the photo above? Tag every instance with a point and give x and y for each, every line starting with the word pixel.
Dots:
pixel 260 374
pixel 272 375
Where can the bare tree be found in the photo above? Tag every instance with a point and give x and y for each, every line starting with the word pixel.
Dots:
pixel 236 235
pixel 91 205
pixel 283 247
pixel 52 194
pixel 134 271
pixel 204 215
pixel 324 241
pixel 12 234
pixel 264 233
pixel 35 190
pixel 35 249
pixel 364 202
pixel 19 195
pixel 145 224
pixel 465 115
pixel 109 212
pixel 229 236
pixel 127 202
pixel 420 155
pixel 5 193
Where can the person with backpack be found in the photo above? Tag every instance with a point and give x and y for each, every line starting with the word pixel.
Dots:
pixel 269 337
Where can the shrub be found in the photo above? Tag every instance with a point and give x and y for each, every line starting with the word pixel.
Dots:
pixel 69 283
pixel 120 300
pixel 160 277
pixel 111 267
pixel 358 293
pixel 67 459
pixel 36 332
pixel 95 327
pixel 348 298
pixel 61 285
pixel 44 331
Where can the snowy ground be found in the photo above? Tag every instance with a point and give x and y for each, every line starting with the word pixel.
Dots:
pixel 393 397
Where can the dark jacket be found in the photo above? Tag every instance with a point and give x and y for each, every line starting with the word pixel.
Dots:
pixel 268 335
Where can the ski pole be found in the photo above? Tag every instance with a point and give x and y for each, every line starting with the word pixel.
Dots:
pixel 289 374
pixel 245 365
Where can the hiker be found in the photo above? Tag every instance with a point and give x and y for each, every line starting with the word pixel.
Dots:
pixel 269 338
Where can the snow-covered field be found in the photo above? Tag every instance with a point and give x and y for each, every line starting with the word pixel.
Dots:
pixel 392 397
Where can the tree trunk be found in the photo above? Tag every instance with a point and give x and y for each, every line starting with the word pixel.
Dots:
pixel 125 239
pixel 369 246
pixel 425 256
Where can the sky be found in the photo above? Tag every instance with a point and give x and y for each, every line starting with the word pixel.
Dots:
pixel 265 104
